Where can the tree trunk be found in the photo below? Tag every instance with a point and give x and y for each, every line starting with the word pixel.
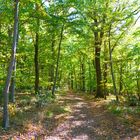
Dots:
pixel 57 63
pixel 12 88
pixel 51 74
pixel 83 74
pixel 138 86
pixel 13 80
pixel 138 77
pixel 98 42
pixel 36 57
pixel 80 73
pixel 98 72
pixel 111 67
pixel 90 77
pixel 36 66
pixel 120 80
pixel 98 35
pixel 13 55
pixel 75 78
pixel 105 69
pixel 71 79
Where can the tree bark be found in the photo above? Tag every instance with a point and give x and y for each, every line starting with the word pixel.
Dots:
pixel 13 56
pixel 36 57
pixel 11 88
pixel 98 42
pixel 36 66
pixel 13 80
pixel 75 78
pixel 83 74
pixel 105 68
pixel 98 36
pixel 90 77
pixel 121 78
pixel 71 79
pixel 57 63
pixel 52 57
pixel 138 86
pixel 111 67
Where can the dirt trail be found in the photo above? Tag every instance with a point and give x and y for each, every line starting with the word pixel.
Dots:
pixel 91 121
pixel 86 120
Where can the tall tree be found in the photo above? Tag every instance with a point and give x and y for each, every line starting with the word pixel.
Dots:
pixel 12 61
pixel 36 47
pixel 57 61
pixel 111 66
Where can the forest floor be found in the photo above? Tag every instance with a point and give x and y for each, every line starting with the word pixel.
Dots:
pixel 71 117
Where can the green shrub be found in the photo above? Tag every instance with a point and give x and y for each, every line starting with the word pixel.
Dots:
pixel 133 100
pixel 43 99
pixel 115 109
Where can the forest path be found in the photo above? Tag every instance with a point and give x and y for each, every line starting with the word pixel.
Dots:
pixel 90 120
pixel 71 117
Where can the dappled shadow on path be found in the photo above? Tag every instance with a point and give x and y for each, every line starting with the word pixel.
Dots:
pixel 82 120
pixel 89 121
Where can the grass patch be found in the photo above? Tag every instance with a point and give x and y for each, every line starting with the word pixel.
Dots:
pixel 122 108
pixel 86 96
pixel 56 109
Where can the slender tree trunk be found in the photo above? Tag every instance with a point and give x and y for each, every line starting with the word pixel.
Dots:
pixel 111 67
pixel 11 88
pixel 120 80
pixel 71 79
pixel 89 74
pixel 13 80
pixel 36 57
pixel 75 78
pixel 80 74
pixel 105 69
pixel 57 63
pixel 138 87
pixel 138 77
pixel 51 72
pixel 36 66
pixel 83 74
pixel 13 55
pixel 59 78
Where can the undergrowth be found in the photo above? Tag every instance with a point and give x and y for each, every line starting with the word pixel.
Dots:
pixel 123 108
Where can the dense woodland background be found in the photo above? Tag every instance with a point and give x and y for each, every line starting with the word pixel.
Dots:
pixel 88 46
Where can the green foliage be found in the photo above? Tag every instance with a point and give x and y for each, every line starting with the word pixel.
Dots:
pixel 114 107
pixel 121 109
pixel 43 99
pixel 25 100
pixel 116 110
pixel 133 100
pixel 49 114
